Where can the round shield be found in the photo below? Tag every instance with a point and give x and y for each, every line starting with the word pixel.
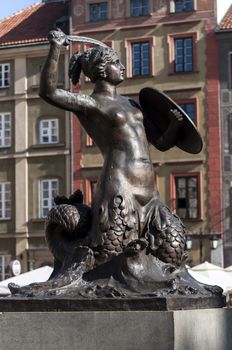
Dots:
pixel 156 108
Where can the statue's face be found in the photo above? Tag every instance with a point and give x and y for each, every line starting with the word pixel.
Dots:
pixel 114 72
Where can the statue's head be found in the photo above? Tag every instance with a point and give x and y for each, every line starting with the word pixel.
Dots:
pixel 94 63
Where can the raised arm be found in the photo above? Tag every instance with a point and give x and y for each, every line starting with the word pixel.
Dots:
pixel 48 82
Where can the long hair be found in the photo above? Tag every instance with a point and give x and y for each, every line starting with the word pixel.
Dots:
pixel 92 62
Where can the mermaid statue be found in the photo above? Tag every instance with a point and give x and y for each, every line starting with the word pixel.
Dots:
pixel 128 242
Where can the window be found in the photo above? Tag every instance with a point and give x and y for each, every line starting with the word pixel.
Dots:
pixel 187 196
pixel 98 11
pixel 140 59
pixel 5 200
pixel 89 141
pixel 183 5
pixel 183 52
pixel 49 131
pixel 190 109
pixel 5 269
pixel 91 186
pixel 36 76
pixel 178 6
pixel 227 163
pixel 230 70
pixel 5 130
pixel 229 132
pixel 183 55
pixel 139 8
pixel 228 195
pixel 48 190
pixel 4 75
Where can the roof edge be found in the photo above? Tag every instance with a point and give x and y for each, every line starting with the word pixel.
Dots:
pixel 24 44
pixel 225 16
pixel 22 10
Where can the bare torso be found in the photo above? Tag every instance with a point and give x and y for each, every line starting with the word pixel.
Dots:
pixel 127 170
pixel 127 165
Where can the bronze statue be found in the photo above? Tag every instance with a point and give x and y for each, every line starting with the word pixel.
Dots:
pixel 128 234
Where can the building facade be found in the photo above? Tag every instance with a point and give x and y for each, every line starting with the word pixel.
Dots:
pixel 224 36
pixel 166 45
pixel 34 136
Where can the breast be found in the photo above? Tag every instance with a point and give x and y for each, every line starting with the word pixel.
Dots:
pixel 138 116
pixel 118 118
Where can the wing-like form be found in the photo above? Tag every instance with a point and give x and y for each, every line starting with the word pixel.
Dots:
pixel 156 108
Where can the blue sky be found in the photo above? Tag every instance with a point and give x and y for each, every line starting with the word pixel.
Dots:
pixel 8 7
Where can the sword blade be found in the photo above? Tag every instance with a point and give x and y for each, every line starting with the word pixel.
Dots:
pixel 86 40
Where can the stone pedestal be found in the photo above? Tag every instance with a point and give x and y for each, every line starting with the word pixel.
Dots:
pixel 110 330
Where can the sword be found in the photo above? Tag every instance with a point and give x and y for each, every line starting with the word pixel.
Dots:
pixel 84 39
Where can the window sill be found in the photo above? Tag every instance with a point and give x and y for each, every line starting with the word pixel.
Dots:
pixel 184 73
pixel 192 220
pixel 141 76
pixel 2 148
pixel 98 20
pixel 37 86
pixel 47 145
pixel 3 220
pixel 181 12
pixel 140 16
pixel 37 220
pixel 5 87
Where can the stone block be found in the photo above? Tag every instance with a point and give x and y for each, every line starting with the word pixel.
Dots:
pixel 205 329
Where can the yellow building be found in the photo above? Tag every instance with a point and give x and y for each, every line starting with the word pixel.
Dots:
pixel 34 136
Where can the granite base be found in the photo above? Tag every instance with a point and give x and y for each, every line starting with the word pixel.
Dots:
pixel 125 330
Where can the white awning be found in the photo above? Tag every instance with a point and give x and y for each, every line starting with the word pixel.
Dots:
pixel 38 275
pixel 213 275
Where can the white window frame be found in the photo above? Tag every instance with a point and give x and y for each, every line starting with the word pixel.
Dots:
pixel 47 202
pixel 5 141
pixel 48 131
pixel 4 75
pixel 5 212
